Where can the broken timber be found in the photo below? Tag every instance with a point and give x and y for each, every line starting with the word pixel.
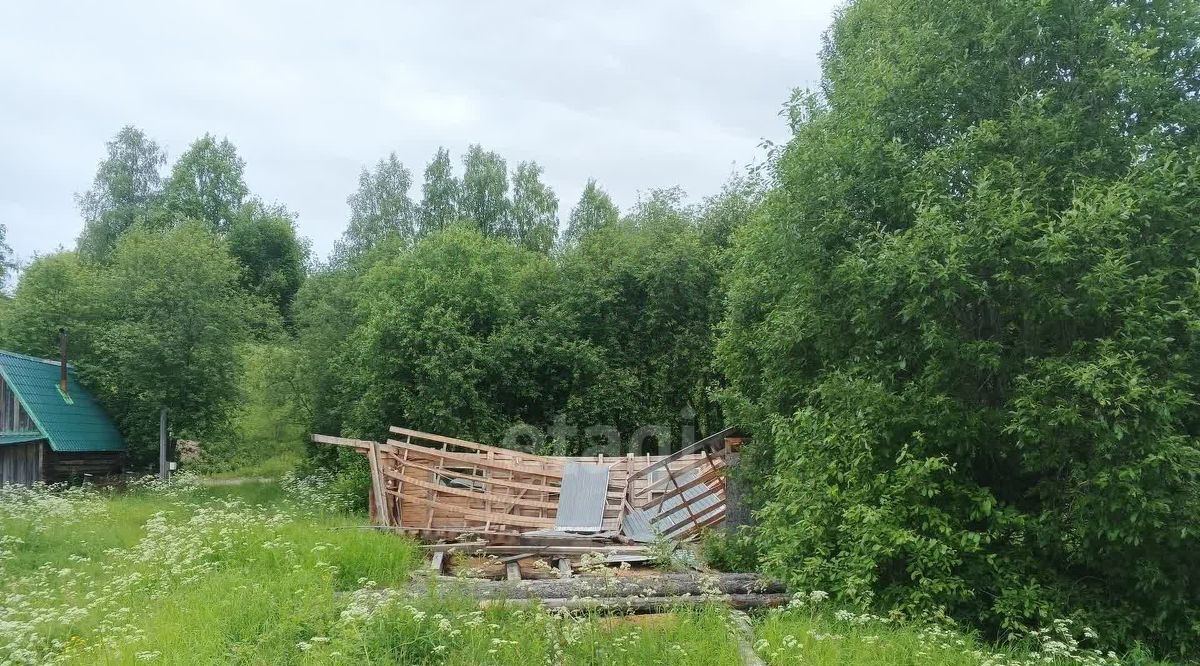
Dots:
pixel 445 488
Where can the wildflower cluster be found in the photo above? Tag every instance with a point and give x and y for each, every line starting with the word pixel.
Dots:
pixel 316 493
pixel 86 609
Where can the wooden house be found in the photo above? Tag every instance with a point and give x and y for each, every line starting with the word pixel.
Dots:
pixel 51 428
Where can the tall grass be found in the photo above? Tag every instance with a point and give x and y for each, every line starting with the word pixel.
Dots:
pixel 273 574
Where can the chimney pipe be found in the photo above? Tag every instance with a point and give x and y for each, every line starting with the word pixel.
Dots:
pixel 62 357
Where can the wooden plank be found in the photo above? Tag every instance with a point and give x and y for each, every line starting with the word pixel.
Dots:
pixel 483 516
pixel 461 545
pixel 709 491
pixel 704 518
pixel 553 490
pixel 512 570
pixel 469 494
pixel 476 460
pixel 706 522
pixel 700 445
pixel 381 503
pixel 703 479
pixel 466 444
pixel 438 561
pixel 363 444
pixel 681 471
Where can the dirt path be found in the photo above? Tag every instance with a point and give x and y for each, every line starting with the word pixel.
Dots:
pixel 235 481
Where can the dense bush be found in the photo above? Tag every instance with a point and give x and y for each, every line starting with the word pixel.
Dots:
pixel 157 326
pixel 965 327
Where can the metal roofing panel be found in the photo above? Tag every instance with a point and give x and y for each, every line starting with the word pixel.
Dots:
pixel 20 437
pixel 582 498
pixel 637 524
pixel 78 425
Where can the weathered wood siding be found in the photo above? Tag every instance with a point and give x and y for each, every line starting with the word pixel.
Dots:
pixel 72 466
pixel 20 463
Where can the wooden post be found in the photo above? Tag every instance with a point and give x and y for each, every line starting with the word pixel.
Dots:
pixel 164 474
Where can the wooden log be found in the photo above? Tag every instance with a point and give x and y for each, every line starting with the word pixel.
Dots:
pixel 661 585
pixel 645 604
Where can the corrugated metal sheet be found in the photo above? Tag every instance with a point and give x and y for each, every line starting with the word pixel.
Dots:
pixel 582 498
pixel 637 523
pixel 78 425
pixel 20 437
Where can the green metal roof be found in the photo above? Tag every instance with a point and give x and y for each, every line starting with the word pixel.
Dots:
pixel 77 424
pixel 20 437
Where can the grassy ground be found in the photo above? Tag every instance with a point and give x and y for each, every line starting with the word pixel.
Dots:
pixel 253 574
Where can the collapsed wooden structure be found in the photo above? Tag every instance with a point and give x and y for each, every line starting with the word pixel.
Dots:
pixel 442 488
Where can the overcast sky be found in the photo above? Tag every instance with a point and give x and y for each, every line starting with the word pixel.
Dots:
pixel 638 95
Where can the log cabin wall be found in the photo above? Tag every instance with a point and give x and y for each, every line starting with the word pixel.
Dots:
pixel 74 466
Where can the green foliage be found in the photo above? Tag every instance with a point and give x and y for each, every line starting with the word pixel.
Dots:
pixel 964 326
pixel 172 317
pixel 379 208
pixel 534 209
pixel 443 332
pixel 595 210
pixel 127 182
pixel 56 291
pixel 731 552
pixel 471 335
pixel 206 184
pixel 483 192
pixel 269 422
pixel 439 194
pixel 263 239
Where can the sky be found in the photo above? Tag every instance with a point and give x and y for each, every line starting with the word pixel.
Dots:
pixel 637 95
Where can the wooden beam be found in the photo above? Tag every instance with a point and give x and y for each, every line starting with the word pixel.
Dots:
pixel 701 445
pixel 476 459
pixel 491 481
pixel 466 444
pixel 483 516
pixel 362 444
pixel 703 479
pixel 469 494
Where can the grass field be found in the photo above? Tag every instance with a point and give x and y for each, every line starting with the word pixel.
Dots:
pixel 251 574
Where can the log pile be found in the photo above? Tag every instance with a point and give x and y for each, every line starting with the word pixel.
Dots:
pixel 640 594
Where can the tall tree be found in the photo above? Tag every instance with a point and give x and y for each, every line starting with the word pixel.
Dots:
pixel 172 316
pixel 7 262
pixel 263 239
pixel 482 195
pixel 534 209
pixel 56 291
pixel 595 210
pixel 964 326
pixel 207 184
pixel 379 208
pixel 439 194
pixel 127 182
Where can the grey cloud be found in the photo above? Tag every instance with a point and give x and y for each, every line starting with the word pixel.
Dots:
pixel 638 95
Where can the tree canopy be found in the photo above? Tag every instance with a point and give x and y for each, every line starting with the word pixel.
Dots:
pixel 963 326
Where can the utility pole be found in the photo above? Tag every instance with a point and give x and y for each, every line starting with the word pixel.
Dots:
pixel 164 474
